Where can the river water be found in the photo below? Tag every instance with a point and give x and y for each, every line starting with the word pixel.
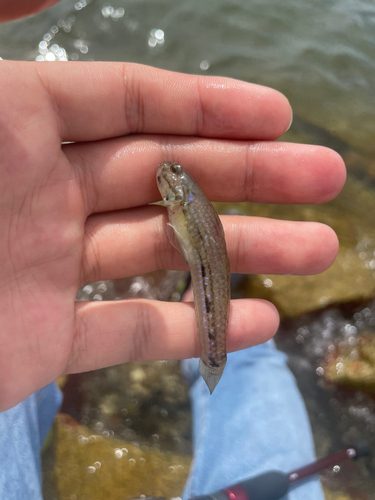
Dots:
pixel 319 53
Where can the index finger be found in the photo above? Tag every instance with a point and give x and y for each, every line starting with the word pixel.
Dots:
pixel 101 100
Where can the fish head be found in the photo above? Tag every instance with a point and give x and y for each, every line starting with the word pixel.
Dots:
pixel 173 183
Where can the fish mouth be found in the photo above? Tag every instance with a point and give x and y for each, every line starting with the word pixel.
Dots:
pixel 165 181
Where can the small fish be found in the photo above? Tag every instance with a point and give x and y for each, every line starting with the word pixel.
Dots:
pixel 199 235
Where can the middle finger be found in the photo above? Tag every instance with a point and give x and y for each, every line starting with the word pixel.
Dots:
pixel 126 243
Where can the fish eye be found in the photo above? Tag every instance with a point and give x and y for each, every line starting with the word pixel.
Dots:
pixel 176 169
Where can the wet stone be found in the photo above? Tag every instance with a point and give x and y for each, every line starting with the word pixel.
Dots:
pixel 107 467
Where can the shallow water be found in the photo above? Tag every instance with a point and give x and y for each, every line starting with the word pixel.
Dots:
pixel 321 55
pixel 339 413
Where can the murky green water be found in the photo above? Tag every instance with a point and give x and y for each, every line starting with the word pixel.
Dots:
pixel 321 55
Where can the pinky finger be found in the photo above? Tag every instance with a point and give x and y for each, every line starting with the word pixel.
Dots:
pixel 113 332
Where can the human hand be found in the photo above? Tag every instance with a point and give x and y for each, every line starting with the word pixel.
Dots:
pixel 12 10
pixel 77 213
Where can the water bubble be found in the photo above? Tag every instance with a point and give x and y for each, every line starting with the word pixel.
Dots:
pixel 176 296
pixel 107 11
pixel 78 43
pixel 204 65
pixel 97 296
pixel 152 42
pixel 61 54
pixel 118 13
pixel 99 426
pixel 97 465
pixel 300 339
pixel 138 284
pixel 350 329
pixel 267 283
pixel 320 371
pixel 82 439
pixel 91 469
pixel 159 35
pixel 80 5
pixel 156 38
pixel 118 453
pixel 336 469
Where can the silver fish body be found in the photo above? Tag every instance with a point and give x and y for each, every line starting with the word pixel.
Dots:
pixel 200 236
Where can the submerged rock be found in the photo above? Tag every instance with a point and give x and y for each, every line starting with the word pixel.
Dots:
pixel 90 465
pixel 352 364
pixel 336 495
pixel 338 416
pixel 350 278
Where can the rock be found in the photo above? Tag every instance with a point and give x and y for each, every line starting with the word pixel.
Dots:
pixel 353 364
pixel 135 401
pixel 89 465
pixel 335 495
pixel 351 277
pixel 339 417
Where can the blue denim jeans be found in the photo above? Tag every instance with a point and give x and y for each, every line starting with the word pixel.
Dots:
pixel 254 421
pixel 23 430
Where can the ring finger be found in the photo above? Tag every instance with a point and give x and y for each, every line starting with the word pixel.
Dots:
pixel 126 243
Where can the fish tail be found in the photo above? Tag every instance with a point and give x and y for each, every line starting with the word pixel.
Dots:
pixel 211 375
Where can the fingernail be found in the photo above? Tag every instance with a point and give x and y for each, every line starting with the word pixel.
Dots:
pixel 291 120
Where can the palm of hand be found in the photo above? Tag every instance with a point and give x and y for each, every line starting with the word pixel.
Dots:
pixel 79 212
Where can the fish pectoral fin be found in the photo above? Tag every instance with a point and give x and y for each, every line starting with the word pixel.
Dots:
pixel 173 240
pixel 172 237
pixel 210 375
